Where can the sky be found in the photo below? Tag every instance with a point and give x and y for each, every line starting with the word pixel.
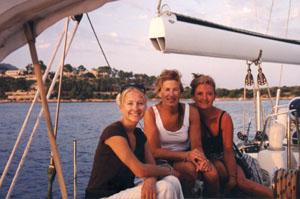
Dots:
pixel 123 28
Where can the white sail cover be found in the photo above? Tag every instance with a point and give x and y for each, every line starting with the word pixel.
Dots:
pixel 41 13
pixel 174 33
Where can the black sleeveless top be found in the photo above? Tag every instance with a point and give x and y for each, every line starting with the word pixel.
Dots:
pixel 109 174
pixel 210 143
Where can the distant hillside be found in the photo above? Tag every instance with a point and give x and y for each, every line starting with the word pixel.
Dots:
pixel 4 66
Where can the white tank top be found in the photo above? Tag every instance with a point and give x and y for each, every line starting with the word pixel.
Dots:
pixel 177 140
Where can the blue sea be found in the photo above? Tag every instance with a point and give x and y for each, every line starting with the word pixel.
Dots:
pixel 83 121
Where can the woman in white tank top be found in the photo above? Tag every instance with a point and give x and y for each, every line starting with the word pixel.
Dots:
pixel 173 131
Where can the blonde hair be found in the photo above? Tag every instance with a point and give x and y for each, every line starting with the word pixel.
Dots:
pixel 168 75
pixel 200 79
pixel 121 96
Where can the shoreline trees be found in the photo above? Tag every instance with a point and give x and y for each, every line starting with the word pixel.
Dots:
pixel 105 82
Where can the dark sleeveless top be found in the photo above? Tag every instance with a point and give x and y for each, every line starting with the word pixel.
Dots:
pixel 109 174
pixel 210 143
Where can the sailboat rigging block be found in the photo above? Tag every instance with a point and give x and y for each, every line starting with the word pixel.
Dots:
pixel 175 33
pixel 261 78
pixel 249 77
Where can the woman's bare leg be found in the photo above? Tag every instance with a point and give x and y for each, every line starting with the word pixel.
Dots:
pixel 223 174
pixel 187 178
pixel 211 183
pixel 251 187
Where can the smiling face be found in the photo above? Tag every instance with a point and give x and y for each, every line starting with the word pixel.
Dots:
pixel 204 96
pixel 133 107
pixel 170 92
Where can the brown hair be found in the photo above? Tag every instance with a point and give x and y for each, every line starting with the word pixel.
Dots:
pixel 200 79
pixel 168 75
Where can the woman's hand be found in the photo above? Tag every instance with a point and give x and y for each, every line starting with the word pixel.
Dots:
pixel 148 189
pixel 203 165
pixel 199 159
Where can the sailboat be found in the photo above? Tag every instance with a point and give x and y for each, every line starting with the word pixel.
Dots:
pixel 272 146
pixel 22 21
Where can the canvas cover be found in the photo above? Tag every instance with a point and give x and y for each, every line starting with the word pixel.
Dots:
pixel 41 13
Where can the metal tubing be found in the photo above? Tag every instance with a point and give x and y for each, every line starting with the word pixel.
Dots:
pixel 265 126
pixel 258 106
pixel 277 100
pixel 37 71
pixel 75 167
pixel 289 165
pixel 289 141
pixel 28 115
pixel 60 77
pixel 33 132
pixel 51 164
pixel 298 136
pixel 41 111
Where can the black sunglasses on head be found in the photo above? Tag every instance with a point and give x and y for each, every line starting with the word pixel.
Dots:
pixel 138 86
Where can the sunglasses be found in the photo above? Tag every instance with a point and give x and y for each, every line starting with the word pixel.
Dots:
pixel 138 86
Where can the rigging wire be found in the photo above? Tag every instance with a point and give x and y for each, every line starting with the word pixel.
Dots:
pixel 262 80
pixel 268 27
pixel 270 16
pixel 97 39
pixel 61 78
pixel 256 22
pixel 286 34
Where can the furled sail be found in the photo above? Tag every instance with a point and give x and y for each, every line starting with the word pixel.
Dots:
pixel 174 33
pixel 41 14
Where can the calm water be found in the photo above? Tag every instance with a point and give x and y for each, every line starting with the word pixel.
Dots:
pixel 81 121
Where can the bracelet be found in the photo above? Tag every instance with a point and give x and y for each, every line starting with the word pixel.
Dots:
pixel 171 169
pixel 186 155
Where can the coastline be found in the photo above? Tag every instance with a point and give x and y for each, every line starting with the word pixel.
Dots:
pixel 113 100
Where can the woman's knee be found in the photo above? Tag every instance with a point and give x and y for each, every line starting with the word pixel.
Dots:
pixel 186 169
pixel 212 175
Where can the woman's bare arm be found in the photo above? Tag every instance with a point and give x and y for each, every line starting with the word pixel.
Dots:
pixel 121 148
pixel 229 157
